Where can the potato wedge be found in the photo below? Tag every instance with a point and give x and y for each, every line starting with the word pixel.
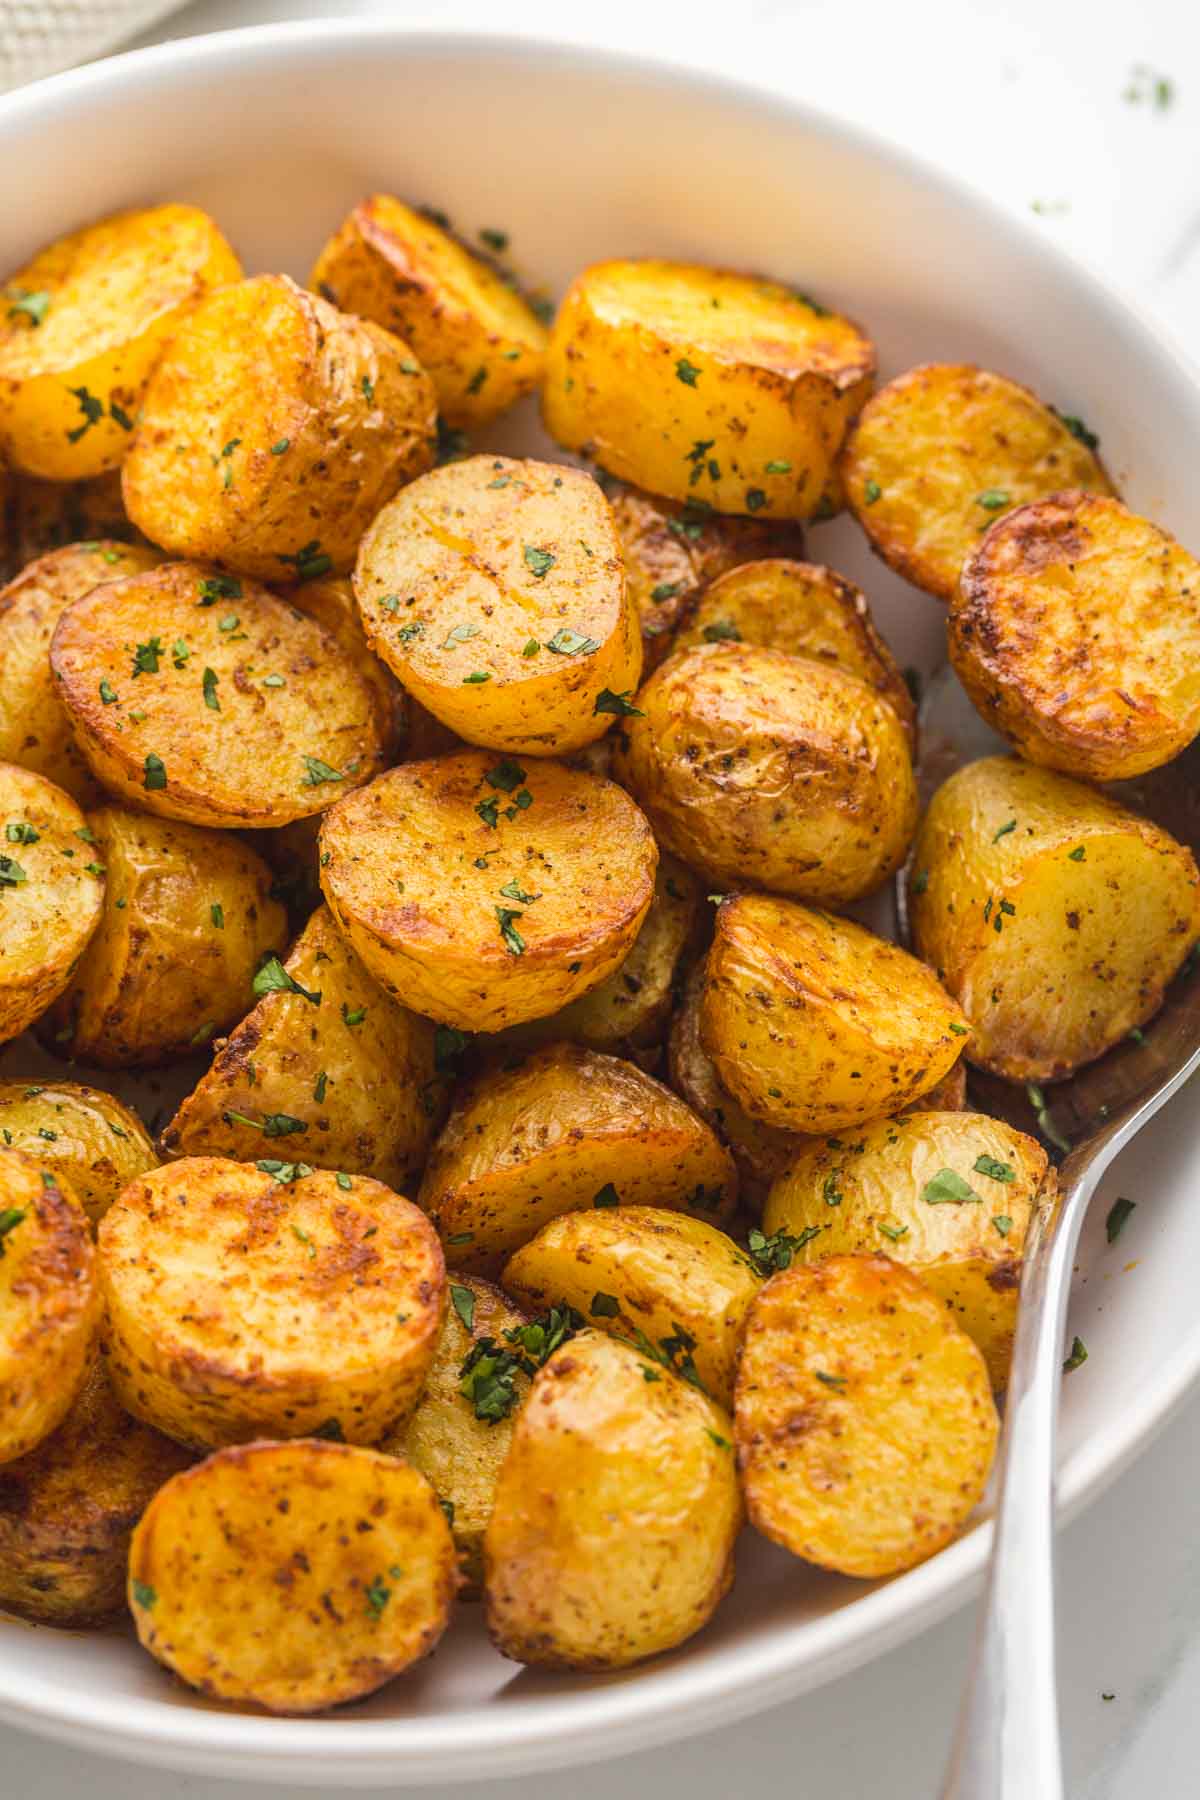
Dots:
pixel 49 515
pixel 253 1299
pixel 325 1045
pixel 51 895
pixel 273 430
pixel 705 385
pixel 292 1576
pixel 814 1024
pixel 206 698
pixel 942 451
pixel 49 1304
pixel 481 893
pixel 494 590
pixel 331 602
pixel 84 324
pixel 529 1140
pixel 68 1509
pixel 771 771
pixel 1076 632
pixel 81 1133
pixel 1054 915
pixel 478 339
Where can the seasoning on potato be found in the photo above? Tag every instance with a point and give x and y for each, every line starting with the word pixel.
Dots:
pixel 79 1132
pixel 292 1576
pixel 51 895
pixel 268 1299
pixel 705 385
pixel 273 429
pixel 864 1418
pixel 1055 916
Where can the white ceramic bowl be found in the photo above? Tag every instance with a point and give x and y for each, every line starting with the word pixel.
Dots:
pixel 580 156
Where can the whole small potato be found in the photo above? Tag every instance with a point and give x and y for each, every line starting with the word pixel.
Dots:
pixel 51 895
pixel 79 1132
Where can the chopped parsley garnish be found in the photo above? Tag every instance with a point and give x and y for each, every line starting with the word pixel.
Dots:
pixel 871 493
pixel 477 380
pixel 273 978
pixel 608 702
pixel 1118 1217
pixel 271 1124
pixel 566 642
pixel 219 587
pixel 330 1431
pixel 283 445
pixel 310 561
pixel 143 1594
pixel 463 1302
pixel 23 304
pixel 948 1189
pixel 920 881
pixel 1078 1356
pixel 319 1087
pixel 108 693
pixel 1077 855
pixel 208 683
pixel 895 1232
pixel 488 1379
pixel 538 562
pixel 512 890
pixel 368 388
pixel 777 466
pixel 776 1252
pixel 1004 830
pixel 666 590
pixel 832 1381
pixel 92 410
pixel 19 831
pixel 1077 428
pixel 756 499
pixel 378 1594
pixel 686 372
pixel 318 772
pixel 145 657
pixel 608 1196
pixel 477 678
pixel 992 499
pixel 283 1172
pixel 495 240
pixel 832 1194
pixel 722 631
pixel 998 1171
pixel 353 1018
pixel 461 634
pixel 489 812
pixel 604 1306
pixel 513 940
pixel 506 775
pixel 154 772
pixel 1003 1224
pixel 10 1218
pixel 1045 1123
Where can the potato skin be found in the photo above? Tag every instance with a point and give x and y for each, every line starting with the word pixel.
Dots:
pixel 51 896
pixel 616 1512
pixel 118 291
pixel 79 1132
pixel 525 1143
pixel 1076 631
pixel 1054 915
pixel 292 1576
pixel 574 862
pixel 239 1304
pixel 876 1467
pixel 815 1024
pixel 372 1062
pixel 659 370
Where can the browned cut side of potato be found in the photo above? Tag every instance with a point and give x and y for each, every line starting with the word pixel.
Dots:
pixel 482 893
pixel 273 430
pixel 942 451
pixel 292 1576
pixel 206 698
pixel 1076 632
pixel 705 385
pixel 331 602
pixel 1053 915
pixel 356 1073
pixel 815 1024
pixel 561 1130
pixel 772 771
pixel 84 324
pixel 864 1420
pixel 268 1299
pixel 616 1513
pixel 51 895
pixel 80 1133
pixel 479 340
pixel 49 515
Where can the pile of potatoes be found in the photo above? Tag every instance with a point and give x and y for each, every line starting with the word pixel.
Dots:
pixel 565 1176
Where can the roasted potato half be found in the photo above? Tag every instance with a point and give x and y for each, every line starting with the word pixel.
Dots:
pixel 815 1024
pixel 84 324
pixel 331 602
pixel 558 1131
pixel 616 1512
pixel 479 340
pixel 80 1133
pixel 864 1419
pixel 325 1045
pixel 481 893
pixel 1076 632
pixel 206 698
pixel 273 430
pixel 705 385
pixel 1054 916
pixel 494 589
pixel 51 895
pixel 772 771
pixel 49 515
pixel 292 1576
pixel 253 1299
pixel 942 451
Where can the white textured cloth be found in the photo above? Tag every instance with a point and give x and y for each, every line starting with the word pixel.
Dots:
pixel 38 37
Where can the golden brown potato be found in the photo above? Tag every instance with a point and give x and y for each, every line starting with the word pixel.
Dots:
pixel 51 895
pixel 49 515
pixel 188 916
pixel 1076 632
pixel 68 1509
pixel 705 385
pixel 495 590
pixel 864 1421
pixel 331 602
pixel 814 1023
pixel 85 323
pixel 268 1299
pixel 48 1302
pixel 481 893
pixel 80 1133
pixel 203 697
pixel 325 1045
pixel 951 1195
pixel 1053 915
pixel 772 771
pixel 940 452
pixel 479 340
pixel 292 1576
pixel 553 1133
pixel 273 430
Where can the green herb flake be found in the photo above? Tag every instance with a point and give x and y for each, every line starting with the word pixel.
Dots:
pixel 566 642
pixel 837 1382
pixel 208 683
pixel 608 1196
pixel 19 831
pixel 319 1087
pixel 776 1252
pixel 154 772
pixel 1077 1357
pixel 1118 1218
pixel 895 1232
pixel 219 587
pixel 1002 1223
pixel 513 941
pixel 666 590
pixel 353 1018
pixel 948 1189
pixel 538 562
pixel 144 1595
pixel 10 1218
pixel 92 410
pixel 318 772
pixel 997 1171
pixel 832 1194
pixel 273 978
pixel 26 305
pixel 686 372
pixel 993 499
pixel 722 631
pixel 756 499
pixel 461 634
pixel 871 493
pixel 463 1302
pixel 477 678
pixel 605 1306
pixel 1077 855
pixel 1077 428
pixel 108 693
pixel 620 704
pixel 145 657
pixel 1004 830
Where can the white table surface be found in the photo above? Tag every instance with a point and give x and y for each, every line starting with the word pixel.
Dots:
pixel 1027 98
